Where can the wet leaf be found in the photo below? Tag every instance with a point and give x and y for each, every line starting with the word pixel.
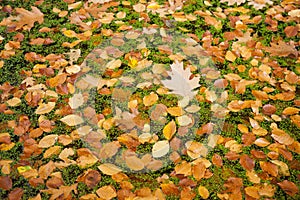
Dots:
pixel 288 187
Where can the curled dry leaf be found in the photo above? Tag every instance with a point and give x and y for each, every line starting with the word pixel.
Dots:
pixel 13 102
pixel 48 141
pixel 45 108
pixel 72 120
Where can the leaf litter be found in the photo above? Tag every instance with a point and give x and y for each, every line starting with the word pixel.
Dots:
pixel 259 74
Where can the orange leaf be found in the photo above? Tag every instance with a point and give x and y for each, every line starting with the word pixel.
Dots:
pixel 169 130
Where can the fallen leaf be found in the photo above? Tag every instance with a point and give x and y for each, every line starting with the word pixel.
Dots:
pixel 150 99
pixel 107 192
pixel 288 187
pixel 282 137
pixel 247 163
pixel 76 101
pixel 5 182
pixel 169 130
pixel 270 168
pixel 160 148
pixel 109 169
pixel 252 191
pixel 48 141
pixel 134 163
pixel 45 108
pixel 72 120
pixel 13 102
pixel 180 82
pixel 203 192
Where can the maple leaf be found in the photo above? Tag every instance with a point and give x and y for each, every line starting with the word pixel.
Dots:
pixel 180 82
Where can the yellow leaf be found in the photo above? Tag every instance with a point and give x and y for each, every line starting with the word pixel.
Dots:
pixel 203 192
pixel 132 62
pixel 70 33
pixel 169 130
pixel 23 169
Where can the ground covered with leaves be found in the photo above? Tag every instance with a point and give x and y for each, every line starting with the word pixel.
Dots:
pixel 100 101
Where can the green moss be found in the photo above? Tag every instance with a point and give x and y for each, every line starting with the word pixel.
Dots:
pixel 71 173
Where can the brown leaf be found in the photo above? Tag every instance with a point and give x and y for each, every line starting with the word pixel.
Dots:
pixel 25 19
pixel 282 137
pixel 5 182
pixel 260 95
pixel 268 109
pixel 217 160
pixel 109 169
pixel 184 168
pixel 270 168
pixel 57 80
pixel 16 194
pixel 45 108
pixel 170 189
pixel 92 178
pixel 247 162
pixel 281 49
pixel 291 31
pixel 288 187
pixel 248 139
pixel 252 191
